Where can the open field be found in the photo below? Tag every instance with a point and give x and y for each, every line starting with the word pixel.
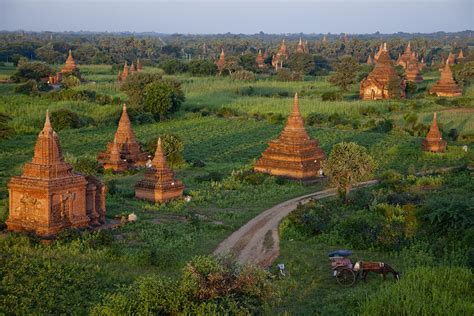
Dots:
pixel 165 237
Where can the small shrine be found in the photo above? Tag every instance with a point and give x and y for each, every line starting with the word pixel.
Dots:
pixel 124 152
pixel 159 184
pixel 69 68
pixel 220 63
pixel 293 154
pixel 49 196
pixel 434 141
pixel 446 86
pixel 260 60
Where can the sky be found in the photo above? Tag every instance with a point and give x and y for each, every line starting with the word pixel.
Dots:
pixel 243 16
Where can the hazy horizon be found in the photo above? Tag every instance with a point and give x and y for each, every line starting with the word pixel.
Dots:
pixel 247 17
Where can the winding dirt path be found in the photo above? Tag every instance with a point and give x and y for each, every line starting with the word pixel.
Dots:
pixel 258 241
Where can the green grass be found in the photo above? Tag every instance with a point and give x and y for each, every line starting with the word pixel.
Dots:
pixel 166 236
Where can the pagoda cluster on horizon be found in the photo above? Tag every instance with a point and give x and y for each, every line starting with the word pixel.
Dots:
pixel 283 55
pixel 376 85
pixel 69 68
pixel 49 196
pixel 293 154
pixel 409 61
pixel 122 75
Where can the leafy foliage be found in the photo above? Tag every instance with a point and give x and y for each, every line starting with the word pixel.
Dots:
pixel 163 97
pixel 32 70
pixel 64 118
pixel 348 164
pixel 345 73
pixel 135 84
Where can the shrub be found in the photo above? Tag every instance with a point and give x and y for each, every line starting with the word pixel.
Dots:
pixel 227 112
pixel 86 165
pixel 30 87
pixel 285 74
pixel 70 81
pixel 173 66
pixel 65 118
pixel 32 70
pixel 173 147
pixel 316 119
pixel 331 96
pixel 136 83
pixel 425 291
pixel 244 75
pixel 163 97
pixel 5 130
pixel 202 67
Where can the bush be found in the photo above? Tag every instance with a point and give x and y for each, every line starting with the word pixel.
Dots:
pixel 64 118
pixel 173 147
pixel 208 285
pixel 285 74
pixel 425 291
pixel 30 87
pixel 32 70
pixel 316 119
pixel 70 81
pixel 173 66
pixel 136 83
pixel 202 67
pixel 5 130
pixel 331 96
pixel 163 97
pixel 243 75
pixel 227 112
pixel 86 165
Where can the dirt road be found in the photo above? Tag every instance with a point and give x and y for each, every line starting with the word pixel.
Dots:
pixel 258 241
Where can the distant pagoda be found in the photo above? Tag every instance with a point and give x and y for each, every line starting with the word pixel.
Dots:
pixel 124 74
pixel 159 183
pixel 260 60
pixel 375 86
pixel 369 60
pixel 446 86
pixel 220 63
pixel 434 141
pixel 281 56
pixel 49 196
pixel 293 154
pixel 301 47
pixel 451 58
pixel 139 65
pixel 409 61
pixel 125 143
pixel 129 70
pixel 69 68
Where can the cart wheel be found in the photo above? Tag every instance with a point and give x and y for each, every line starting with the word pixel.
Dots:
pixel 345 277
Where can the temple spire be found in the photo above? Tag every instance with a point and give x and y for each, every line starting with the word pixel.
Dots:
pixel 47 122
pixel 159 161
pixel 296 105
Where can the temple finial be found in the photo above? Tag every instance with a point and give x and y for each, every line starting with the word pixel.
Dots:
pixel 47 122
pixel 296 104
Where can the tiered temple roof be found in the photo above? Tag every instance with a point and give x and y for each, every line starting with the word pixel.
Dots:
pixel 378 52
pixel 446 86
pixel 159 183
pixel 49 196
pixel 293 154
pixel 434 141
pixel 127 146
pixel 460 55
pixel 451 58
pixel 70 65
pixel 375 86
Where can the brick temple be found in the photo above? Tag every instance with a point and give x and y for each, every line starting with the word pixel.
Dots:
pixel 260 60
pixel 375 86
pixel 434 141
pixel 49 197
pixel 69 68
pixel 301 48
pixel 159 183
pixel 409 61
pixel 293 154
pixel 124 152
pixel 281 56
pixel 446 86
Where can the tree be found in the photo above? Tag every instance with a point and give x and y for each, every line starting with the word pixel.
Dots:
pixel 348 164
pixel 301 63
pixel 232 64
pixel 135 84
pixel 202 67
pixel 64 118
pixel 346 71
pixel 394 88
pixel 173 147
pixel 162 98
pixel 34 70
pixel 173 66
pixel 247 62
pixel 463 73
